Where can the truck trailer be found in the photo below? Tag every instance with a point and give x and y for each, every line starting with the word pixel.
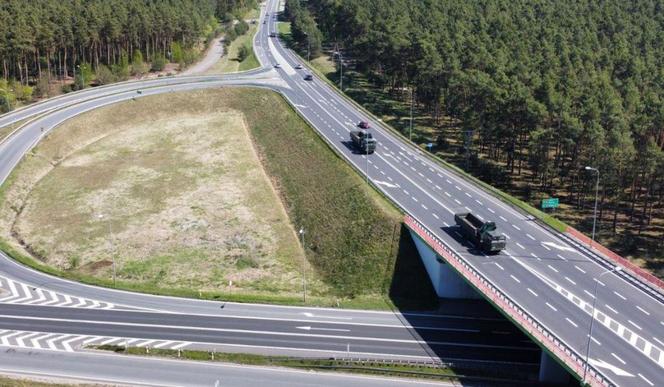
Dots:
pixel 363 140
pixel 482 234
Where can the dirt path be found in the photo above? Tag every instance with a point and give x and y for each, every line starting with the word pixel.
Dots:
pixel 213 54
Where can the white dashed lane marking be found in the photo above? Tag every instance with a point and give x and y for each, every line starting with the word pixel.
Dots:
pixel 514 278
pixel 643 310
pixel 618 358
pixel 571 322
pixel 532 292
pixel 619 295
pixel 551 306
pixel 646 380
pixel 611 309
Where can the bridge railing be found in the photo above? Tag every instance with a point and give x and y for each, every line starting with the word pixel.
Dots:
pixel 539 332
pixel 637 271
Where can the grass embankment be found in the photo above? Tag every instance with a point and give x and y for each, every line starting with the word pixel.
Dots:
pixel 182 196
pixel 184 210
pixel 27 382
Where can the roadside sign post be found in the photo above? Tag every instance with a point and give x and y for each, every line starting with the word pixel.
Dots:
pixel 550 203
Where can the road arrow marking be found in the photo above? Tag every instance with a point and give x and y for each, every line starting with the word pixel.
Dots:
pixel 559 247
pixel 611 367
pixel 310 315
pixel 390 185
pixel 323 329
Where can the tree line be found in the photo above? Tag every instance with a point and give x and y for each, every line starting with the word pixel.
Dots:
pixel 539 88
pixel 41 40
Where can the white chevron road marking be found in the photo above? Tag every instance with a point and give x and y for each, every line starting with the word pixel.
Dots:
pixel 15 292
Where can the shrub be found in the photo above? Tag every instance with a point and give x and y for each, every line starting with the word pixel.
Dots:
pixel 104 75
pixel 242 53
pixel 241 28
pixel 177 54
pixel 42 87
pixel 121 70
pixel 230 36
pixel 138 67
pixel 82 76
pixel 7 100
pixel 158 63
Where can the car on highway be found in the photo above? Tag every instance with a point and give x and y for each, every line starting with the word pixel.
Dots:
pixel 277 66
pixel 298 67
pixel 273 35
pixel 308 77
pixel 364 125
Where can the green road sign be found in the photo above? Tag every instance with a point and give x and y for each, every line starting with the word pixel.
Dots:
pixel 549 203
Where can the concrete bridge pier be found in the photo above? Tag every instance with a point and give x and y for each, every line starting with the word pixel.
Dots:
pixel 446 281
pixel 449 284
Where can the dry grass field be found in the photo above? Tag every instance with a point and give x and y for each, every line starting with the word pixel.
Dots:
pixel 182 195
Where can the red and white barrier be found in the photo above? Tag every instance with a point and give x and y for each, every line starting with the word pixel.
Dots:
pixel 624 262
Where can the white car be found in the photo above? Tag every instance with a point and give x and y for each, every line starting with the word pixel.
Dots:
pixel 298 66
pixel 277 66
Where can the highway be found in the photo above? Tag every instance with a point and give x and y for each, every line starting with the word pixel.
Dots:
pixel 462 338
pixel 545 272
pixel 104 368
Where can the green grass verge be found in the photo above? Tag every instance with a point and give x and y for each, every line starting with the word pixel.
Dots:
pixel 351 232
pixel 20 381
pixel 229 62
pixel 229 296
pixel 322 70
pixel 284 29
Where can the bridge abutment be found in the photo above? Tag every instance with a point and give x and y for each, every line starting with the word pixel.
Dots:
pixel 446 281
pixel 550 371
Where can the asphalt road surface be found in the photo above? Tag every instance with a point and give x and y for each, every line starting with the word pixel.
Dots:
pixel 547 274
pixel 143 371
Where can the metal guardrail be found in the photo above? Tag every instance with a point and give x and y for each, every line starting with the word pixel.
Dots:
pixel 556 347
